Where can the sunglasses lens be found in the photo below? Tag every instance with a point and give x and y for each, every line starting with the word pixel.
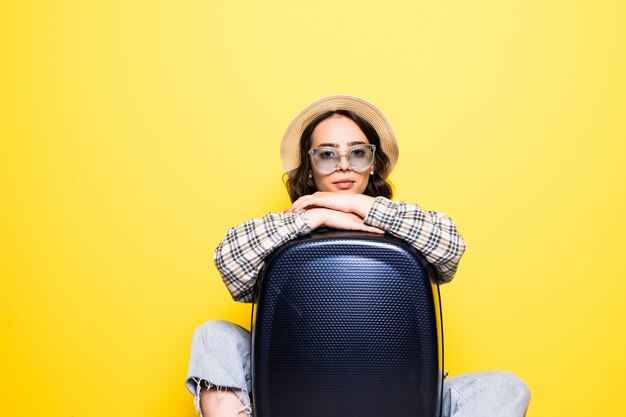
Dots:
pixel 326 159
pixel 361 157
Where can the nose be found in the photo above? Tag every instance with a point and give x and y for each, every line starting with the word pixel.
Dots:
pixel 344 164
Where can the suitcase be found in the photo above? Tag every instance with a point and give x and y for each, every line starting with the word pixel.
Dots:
pixel 347 324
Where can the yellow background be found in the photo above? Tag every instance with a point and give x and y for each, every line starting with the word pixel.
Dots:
pixel 134 133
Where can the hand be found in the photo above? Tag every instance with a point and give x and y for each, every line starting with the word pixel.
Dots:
pixel 359 204
pixel 318 217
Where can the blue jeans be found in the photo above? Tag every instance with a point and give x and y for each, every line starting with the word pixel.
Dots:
pixel 220 357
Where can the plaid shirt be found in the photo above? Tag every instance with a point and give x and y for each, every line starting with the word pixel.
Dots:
pixel 241 255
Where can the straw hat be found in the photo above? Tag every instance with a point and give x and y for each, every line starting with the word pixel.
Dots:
pixel 290 145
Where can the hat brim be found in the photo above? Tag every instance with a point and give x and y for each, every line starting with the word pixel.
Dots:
pixel 290 145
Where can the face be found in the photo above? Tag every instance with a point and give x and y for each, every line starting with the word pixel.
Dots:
pixel 340 133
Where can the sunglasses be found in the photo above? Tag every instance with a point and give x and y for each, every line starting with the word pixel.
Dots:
pixel 326 158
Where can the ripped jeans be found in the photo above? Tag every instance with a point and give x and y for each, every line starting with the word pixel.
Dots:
pixel 220 357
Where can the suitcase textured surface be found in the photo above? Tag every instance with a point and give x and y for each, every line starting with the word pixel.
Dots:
pixel 347 324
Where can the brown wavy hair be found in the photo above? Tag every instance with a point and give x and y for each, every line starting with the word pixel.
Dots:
pixel 298 182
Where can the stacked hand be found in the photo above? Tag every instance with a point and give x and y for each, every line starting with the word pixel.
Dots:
pixel 336 210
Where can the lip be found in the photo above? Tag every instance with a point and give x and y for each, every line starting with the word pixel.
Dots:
pixel 344 184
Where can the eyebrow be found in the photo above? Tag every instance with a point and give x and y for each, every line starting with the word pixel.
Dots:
pixel 336 145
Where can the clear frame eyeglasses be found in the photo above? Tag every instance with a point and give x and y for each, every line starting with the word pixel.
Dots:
pixel 326 158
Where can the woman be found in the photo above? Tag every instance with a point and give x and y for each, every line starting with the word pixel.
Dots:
pixel 337 153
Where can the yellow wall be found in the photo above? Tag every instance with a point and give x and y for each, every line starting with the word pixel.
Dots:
pixel 134 133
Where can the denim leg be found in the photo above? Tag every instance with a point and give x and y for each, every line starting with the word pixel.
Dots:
pixel 480 394
pixel 220 357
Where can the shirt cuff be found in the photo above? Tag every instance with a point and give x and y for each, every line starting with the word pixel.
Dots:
pixel 382 214
pixel 297 224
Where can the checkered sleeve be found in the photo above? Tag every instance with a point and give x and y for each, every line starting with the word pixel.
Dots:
pixel 241 255
pixel 430 232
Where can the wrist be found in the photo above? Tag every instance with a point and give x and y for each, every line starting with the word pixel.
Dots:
pixel 364 206
pixel 315 217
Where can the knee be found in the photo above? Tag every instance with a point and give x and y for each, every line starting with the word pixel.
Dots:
pixel 513 386
pixel 220 333
pixel 213 328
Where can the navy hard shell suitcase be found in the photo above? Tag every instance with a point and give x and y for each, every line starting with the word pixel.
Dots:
pixel 347 324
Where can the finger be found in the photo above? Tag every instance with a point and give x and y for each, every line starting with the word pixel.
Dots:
pixel 295 204
pixel 309 203
pixel 372 229
pixel 305 203
pixel 292 209
pixel 330 203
